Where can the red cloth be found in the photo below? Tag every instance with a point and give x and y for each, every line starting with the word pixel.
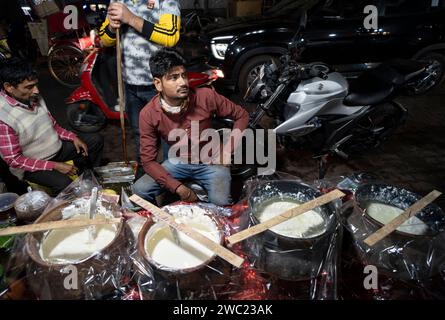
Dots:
pixel 154 124
pixel 10 149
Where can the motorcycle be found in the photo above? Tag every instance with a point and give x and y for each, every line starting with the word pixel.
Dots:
pixel 96 100
pixel 314 106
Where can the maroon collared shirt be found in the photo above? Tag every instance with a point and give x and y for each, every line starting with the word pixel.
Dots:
pixel 154 123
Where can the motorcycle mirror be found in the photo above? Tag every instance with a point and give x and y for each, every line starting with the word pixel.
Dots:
pixel 298 40
pixel 303 20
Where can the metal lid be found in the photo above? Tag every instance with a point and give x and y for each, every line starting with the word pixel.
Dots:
pixel 7 200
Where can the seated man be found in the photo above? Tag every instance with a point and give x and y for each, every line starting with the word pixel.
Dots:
pixel 33 145
pixel 177 107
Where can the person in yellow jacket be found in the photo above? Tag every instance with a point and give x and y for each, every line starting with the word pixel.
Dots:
pixel 146 26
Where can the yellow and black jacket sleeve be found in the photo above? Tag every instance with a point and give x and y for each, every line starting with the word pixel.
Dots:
pixel 165 33
pixel 107 37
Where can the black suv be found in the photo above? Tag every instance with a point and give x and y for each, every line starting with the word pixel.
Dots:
pixel 335 34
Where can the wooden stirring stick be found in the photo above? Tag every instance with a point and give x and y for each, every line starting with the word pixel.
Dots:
pixel 44 226
pixel 286 215
pixel 399 220
pixel 222 252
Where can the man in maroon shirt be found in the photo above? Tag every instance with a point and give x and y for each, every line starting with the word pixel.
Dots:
pixel 179 109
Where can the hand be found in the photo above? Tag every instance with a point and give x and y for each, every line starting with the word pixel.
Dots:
pixel 65 168
pixel 80 146
pixel 186 194
pixel 118 14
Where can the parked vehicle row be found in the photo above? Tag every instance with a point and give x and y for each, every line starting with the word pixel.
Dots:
pixel 335 34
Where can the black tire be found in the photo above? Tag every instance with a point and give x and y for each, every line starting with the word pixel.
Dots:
pixel 436 62
pixel 64 63
pixel 250 70
pixel 85 117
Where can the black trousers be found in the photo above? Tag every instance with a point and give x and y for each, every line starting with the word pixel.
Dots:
pixel 58 181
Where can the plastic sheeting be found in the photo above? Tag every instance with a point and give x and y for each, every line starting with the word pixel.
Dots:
pixel 407 265
pixel 273 269
pixel 34 273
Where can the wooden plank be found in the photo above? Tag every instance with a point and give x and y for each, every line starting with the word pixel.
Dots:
pixel 288 214
pixel 399 220
pixel 44 226
pixel 222 252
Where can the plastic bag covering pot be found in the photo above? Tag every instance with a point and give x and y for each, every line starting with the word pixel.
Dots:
pixel 293 267
pixel 402 254
pixel 170 270
pixel 31 205
pixel 408 266
pixel 73 275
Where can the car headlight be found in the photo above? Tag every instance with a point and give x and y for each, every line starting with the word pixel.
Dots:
pixel 219 46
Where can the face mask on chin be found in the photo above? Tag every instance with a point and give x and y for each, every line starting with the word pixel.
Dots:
pixel 174 110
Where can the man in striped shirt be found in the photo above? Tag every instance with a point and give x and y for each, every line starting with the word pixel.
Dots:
pixel 33 145
pixel 147 25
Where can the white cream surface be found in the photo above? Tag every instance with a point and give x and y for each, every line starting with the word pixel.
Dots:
pixel 70 245
pixel 385 213
pixel 307 225
pixel 162 248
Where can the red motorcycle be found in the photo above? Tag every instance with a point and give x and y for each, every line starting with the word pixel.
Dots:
pixel 96 100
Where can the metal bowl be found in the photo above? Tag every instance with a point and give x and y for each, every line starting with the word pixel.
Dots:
pixel 47 279
pixel 192 278
pixel 402 255
pixel 287 257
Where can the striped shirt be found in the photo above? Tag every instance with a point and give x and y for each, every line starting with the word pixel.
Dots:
pixel 10 149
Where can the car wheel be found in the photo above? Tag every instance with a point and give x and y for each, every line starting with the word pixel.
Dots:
pixel 250 70
pixel 435 74
pixel 85 117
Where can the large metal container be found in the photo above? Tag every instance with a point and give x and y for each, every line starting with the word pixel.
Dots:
pixel 401 255
pixel 98 274
pixel 213 272
pixel 286 257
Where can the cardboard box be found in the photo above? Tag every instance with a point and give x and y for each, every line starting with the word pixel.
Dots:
pixel 39 32
pixel 242 8
pixel 44 8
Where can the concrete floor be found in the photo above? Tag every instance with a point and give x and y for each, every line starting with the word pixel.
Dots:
pixel 412 158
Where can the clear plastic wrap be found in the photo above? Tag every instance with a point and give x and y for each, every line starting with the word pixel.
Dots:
pixel 31 205
pixel 290 266
pixel 73 263
pixel 170 265
pixel 273 269
pixel 408 263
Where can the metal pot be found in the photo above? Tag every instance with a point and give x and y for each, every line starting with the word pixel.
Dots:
pixel 96 275
pixel 31 205
pixel 7 213
pixel 212 272
pixel 402 255
pixel 287 257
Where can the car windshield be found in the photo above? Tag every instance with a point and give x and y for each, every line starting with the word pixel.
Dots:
pixel 287 7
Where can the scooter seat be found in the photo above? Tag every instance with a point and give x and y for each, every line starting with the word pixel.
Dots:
pixel 368 89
